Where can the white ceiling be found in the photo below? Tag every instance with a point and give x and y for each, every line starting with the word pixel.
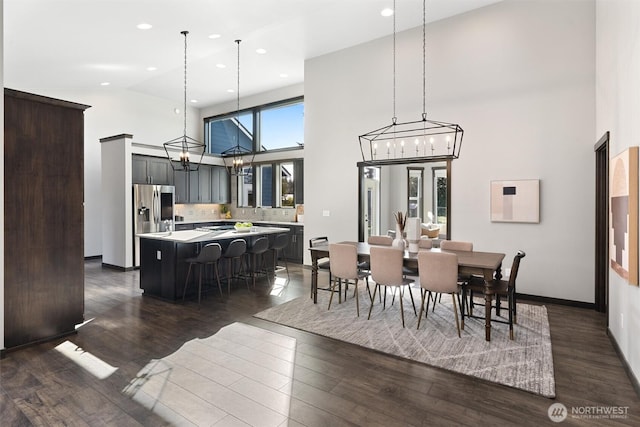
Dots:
pixel 78 44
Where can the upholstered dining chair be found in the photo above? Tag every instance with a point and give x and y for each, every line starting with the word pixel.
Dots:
pixel 386 270
pixel 455 245
pixel 380 240
pixel 344 266
pixel 209 255
pixel 255 258
pixel 425 243
pixel 438 273
pixel 506 288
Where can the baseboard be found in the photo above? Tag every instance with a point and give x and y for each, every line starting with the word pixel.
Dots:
pixel 117 267
pixel 93 257
pixel 558 301
pixel 634 381
pixel 4 352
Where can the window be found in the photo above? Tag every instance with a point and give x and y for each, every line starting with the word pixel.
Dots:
pixel 415 192
pixel 269 127
pixel 282 190
pixel 282 126
pixel 223 132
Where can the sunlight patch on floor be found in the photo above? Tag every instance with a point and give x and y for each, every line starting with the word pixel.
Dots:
pixel 242 375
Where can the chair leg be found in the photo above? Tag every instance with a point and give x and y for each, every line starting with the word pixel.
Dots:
pixel 511 315
pixel 401 309
pixel 429 298
pixel 455 313
pixel 372 299
pixel 215 268
pixel 357 300
pixel 412 302
pixel 332 289
pixel 515 307
pixel 422 293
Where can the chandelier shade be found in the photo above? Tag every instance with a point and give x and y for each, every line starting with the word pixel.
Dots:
pixel 413 141
pixel 184 153
pixel 238 159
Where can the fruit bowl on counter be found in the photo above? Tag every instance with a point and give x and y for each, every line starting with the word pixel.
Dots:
pixel 243 227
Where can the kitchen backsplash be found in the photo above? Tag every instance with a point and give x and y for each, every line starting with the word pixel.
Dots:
pixel 207 212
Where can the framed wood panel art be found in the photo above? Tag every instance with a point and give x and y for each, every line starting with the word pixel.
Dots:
pixel 623 214
pixel 515 201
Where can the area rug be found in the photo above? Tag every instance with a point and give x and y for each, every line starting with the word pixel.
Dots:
pixel 524 363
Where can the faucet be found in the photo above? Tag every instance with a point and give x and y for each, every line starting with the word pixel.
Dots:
pixel 167 225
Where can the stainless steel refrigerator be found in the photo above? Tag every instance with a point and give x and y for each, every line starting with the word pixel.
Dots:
pixel 153 207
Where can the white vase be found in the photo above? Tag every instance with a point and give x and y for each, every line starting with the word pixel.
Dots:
pixel 398 241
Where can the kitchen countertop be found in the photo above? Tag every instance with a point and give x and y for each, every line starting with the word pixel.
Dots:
pixel 202 221
pixel 199 235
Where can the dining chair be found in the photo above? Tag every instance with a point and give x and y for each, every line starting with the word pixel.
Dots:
pixel 209 255
pixel 344 266
pixel 386 270
pixel 323 263
pixel 380 240
pixel 506 288
pixel 439 274
pixel 455 245
pixel 235 252
pixel 425 243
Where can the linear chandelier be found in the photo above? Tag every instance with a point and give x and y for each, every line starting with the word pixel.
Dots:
pixel 188 150
pixel 238 159
pixel 422 139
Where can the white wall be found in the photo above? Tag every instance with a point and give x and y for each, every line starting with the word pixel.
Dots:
pixel 617 111
pixel 519 78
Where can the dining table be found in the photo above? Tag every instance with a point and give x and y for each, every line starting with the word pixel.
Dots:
pixel 485 264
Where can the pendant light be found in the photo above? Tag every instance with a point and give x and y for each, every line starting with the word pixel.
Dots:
pixel 415 141
pixel 239 159
pixel 184 153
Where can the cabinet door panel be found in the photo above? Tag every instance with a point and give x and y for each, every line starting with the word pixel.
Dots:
pixel 139 170
pixel 182 186
pixel 204 182
pixel 160 171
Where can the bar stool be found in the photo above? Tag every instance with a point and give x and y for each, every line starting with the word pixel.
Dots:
pixel 235 251
pixel 279 243
pixel 209 255
pixel 255 252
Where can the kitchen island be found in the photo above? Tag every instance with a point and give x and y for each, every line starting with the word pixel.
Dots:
pixel 163 266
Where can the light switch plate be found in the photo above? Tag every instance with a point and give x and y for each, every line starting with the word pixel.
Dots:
pixel 159 255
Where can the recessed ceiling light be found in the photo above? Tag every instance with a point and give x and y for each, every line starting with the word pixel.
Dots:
pixel 144 26
pixel 105 84
pixel 214 36
pixel 176 110
pixel 284 75
pixel 261 51
pixel 230 90
pixel 386 12
pixel 194 101
pixel 151 68
pixel 221 66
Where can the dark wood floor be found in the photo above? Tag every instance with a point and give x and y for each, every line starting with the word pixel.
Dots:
pixel 334 383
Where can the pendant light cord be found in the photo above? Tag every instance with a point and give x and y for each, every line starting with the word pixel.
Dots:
pixel 184 104
pixel 238 95
pixel 424 59
pixel 395 118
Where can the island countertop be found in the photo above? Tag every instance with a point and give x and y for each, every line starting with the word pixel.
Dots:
pixel 200 235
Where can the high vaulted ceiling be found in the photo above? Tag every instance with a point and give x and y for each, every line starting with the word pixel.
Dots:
pixel 80 44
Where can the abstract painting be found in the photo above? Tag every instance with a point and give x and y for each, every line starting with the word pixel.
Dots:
pixel 623 214
pixel 515 201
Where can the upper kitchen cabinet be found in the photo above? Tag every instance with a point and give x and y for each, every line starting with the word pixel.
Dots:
pixel 151 170
pixel 43 217
pixel 209 184
pixel 220 191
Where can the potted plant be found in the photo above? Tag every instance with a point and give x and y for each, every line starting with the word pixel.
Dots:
pixel 224 212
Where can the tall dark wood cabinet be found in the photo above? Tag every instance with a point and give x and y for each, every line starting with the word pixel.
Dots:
pixel 44 215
